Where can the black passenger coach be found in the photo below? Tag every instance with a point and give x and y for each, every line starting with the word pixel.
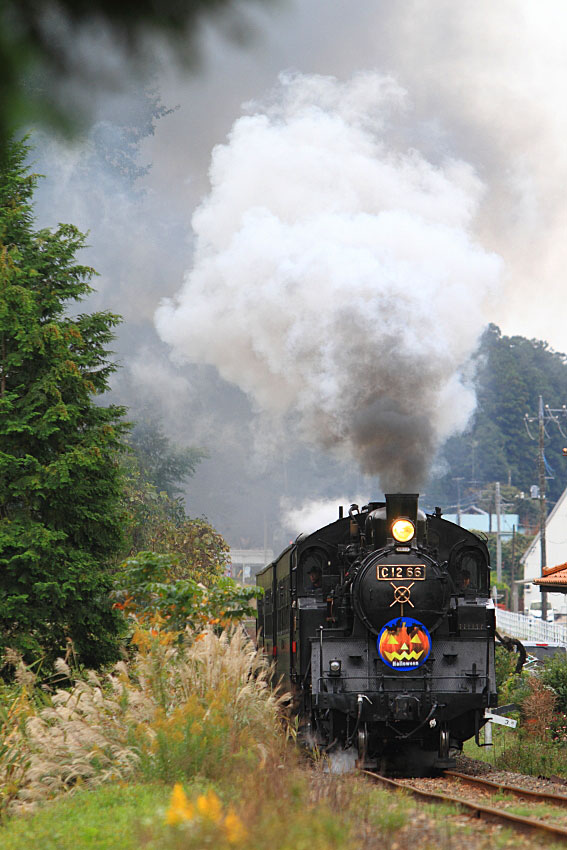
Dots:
pixel 382 626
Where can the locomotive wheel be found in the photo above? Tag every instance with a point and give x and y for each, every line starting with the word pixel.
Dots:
pixel 362 745
pixel 444 743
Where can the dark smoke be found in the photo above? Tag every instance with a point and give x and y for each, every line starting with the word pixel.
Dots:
pixel 392 443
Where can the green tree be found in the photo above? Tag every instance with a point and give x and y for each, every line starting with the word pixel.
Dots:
pixel 161 463
pixel 511 373
pixel 554 675
pixel 159 524
pixel 60 480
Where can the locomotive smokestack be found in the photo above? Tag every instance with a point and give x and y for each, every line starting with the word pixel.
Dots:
pixel 401 505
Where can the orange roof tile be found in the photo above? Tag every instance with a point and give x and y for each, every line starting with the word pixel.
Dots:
pixel 555 577
pixel 547 571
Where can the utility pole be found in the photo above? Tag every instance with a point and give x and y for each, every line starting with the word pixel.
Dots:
pixel 545 414
pixel 474 482
pixel 498 533
pixel 514 585
pixel 458 480
pixel 542 503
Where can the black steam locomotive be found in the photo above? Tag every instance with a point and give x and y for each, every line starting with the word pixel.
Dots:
pixel 382 626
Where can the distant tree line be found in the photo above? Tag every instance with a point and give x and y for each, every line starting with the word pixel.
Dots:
pixel 511 373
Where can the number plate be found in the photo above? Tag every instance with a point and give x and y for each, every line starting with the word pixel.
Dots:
pixel 400 572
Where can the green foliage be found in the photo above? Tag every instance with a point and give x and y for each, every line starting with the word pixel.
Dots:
pixel 162 464
pixel 146 587
pixel 147 510
pixel 158 523
pixel 504 666
pixel 531 756
pixel 554 675
pixel 512 372
pixel 60 483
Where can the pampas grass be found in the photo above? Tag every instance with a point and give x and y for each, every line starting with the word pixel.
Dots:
pixel 172 711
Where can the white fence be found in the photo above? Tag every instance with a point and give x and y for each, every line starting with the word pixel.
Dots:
pixel 530 628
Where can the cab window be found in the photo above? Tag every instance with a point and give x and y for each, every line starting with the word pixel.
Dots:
pixel 469 571
pixel 312 565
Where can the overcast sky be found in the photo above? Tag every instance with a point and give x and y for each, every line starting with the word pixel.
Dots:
pixel 466 103
pixel 486 83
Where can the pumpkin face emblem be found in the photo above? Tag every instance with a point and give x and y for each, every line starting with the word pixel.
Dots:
pixel 404 644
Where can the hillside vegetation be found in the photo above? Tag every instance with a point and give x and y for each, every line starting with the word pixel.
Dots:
pixel 511 372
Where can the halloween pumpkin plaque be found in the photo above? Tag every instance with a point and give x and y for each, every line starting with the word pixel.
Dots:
pixel 404 643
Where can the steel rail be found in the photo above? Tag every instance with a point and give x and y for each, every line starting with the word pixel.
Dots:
pixel 516 821
pixel 539 796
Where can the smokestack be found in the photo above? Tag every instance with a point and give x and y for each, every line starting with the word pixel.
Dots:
pixel 401 505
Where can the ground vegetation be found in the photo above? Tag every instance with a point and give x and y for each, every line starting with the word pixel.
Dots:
pixel 538 746
pixel 188 745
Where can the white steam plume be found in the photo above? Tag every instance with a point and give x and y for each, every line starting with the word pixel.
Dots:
pixel 315 513
pixel 335 277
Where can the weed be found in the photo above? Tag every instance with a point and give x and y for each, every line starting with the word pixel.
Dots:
pixel 171 712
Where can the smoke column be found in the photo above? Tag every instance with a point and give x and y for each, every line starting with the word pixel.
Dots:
pixel 335 279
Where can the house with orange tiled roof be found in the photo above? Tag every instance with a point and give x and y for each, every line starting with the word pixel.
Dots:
pixel 554 579
pixel 556 551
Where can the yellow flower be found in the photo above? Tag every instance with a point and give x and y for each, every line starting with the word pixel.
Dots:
pixel 180 809
pixel 234 828
pixel 209 806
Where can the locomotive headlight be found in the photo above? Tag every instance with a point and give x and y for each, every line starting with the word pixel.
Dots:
pixel 335 667
pixel 403 530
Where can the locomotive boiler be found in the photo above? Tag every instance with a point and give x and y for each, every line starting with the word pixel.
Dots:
pixel 382 626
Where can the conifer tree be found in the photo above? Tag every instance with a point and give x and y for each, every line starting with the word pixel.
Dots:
pixel 60 486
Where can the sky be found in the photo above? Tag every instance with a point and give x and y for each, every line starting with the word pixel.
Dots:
pixel 355 186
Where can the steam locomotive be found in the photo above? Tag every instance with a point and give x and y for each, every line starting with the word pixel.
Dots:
pixel 382 626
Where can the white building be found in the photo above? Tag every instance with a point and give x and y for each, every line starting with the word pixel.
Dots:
pixel 485 522
pixel 556 552
pixel 247 562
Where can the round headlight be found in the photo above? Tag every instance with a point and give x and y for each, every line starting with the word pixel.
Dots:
pixel 335 668
pixel 403 530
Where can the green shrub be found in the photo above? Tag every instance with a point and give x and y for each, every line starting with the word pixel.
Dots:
pixel 504 665
pixel 147 589
pixel 554 675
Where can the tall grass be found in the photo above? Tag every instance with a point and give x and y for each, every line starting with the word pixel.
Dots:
pixel 181 747
pixel 168 713
pixel 538 746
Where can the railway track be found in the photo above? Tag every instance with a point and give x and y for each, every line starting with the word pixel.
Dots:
pixel 454 787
